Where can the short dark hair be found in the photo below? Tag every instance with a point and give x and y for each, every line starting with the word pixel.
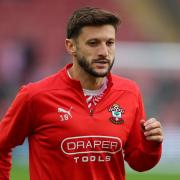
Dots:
pixel 89 16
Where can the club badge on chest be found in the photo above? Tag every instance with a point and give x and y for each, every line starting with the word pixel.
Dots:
pixel 117 113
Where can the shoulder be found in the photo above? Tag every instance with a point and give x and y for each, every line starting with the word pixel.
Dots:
pixel 125 84
pixel 45 85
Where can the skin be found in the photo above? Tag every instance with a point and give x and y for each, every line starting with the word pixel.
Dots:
pixel 152 130
pixel 95 46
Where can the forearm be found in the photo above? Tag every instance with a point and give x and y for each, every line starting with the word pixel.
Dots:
pixel 11 131
pixel 5 164
pixel 145 156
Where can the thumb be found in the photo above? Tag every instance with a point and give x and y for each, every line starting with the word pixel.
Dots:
pixel 142 124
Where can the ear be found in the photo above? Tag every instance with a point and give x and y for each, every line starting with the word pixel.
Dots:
pixel 70 46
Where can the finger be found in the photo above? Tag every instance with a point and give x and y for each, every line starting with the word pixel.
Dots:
pixel 150 121
pixel 142 124
pixel 153 132
pixel 153 125
pixel 155 138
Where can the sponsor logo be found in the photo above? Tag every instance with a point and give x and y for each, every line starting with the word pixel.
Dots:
pixel 82 148
pixel 116 112
pixel 65 114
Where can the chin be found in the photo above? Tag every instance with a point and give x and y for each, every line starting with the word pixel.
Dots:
pixel 100 74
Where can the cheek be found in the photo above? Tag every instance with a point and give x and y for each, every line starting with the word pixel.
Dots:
pixel 85 56
pixel 112 54
pixel 89 54
pixel 112 51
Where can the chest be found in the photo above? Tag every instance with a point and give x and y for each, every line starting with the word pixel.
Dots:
pixel 62 118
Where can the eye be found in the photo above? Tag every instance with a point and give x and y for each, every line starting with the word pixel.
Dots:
pixel 110 43
pixel 92 43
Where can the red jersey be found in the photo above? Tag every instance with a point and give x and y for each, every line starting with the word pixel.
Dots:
pixel 67 141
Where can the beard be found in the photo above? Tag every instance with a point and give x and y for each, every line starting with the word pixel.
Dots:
pixel 87 67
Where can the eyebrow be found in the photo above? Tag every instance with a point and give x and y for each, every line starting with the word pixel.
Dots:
pixel 99 39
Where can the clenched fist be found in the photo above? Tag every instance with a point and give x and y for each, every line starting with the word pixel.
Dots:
pixel 152 130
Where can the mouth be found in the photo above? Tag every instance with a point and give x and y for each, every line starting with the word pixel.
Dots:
pixel 101 61
pixel 101 64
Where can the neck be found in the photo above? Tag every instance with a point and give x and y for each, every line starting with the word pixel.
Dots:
pixel 87 81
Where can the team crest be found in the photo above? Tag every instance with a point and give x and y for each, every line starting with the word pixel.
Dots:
pixel 117 113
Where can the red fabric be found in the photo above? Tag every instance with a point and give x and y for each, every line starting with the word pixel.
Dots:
pixel 66 141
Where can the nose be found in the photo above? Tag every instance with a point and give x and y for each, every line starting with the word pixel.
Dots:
pixel 103 50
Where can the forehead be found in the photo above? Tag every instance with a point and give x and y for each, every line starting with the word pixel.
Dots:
pixel 97 32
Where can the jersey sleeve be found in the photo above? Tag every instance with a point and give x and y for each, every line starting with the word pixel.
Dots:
pixel 14 127
pixel 140 154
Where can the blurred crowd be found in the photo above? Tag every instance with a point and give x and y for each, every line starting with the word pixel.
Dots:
pixel 19 65
pixel 32 34
pixel 160 89
pixel 32 37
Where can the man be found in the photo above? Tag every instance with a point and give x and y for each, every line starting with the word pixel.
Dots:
pixel 83 122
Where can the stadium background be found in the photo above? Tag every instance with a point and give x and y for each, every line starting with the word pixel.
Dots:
pixel 32 34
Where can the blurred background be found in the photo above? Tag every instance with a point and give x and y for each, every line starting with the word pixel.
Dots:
pixel 32 34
